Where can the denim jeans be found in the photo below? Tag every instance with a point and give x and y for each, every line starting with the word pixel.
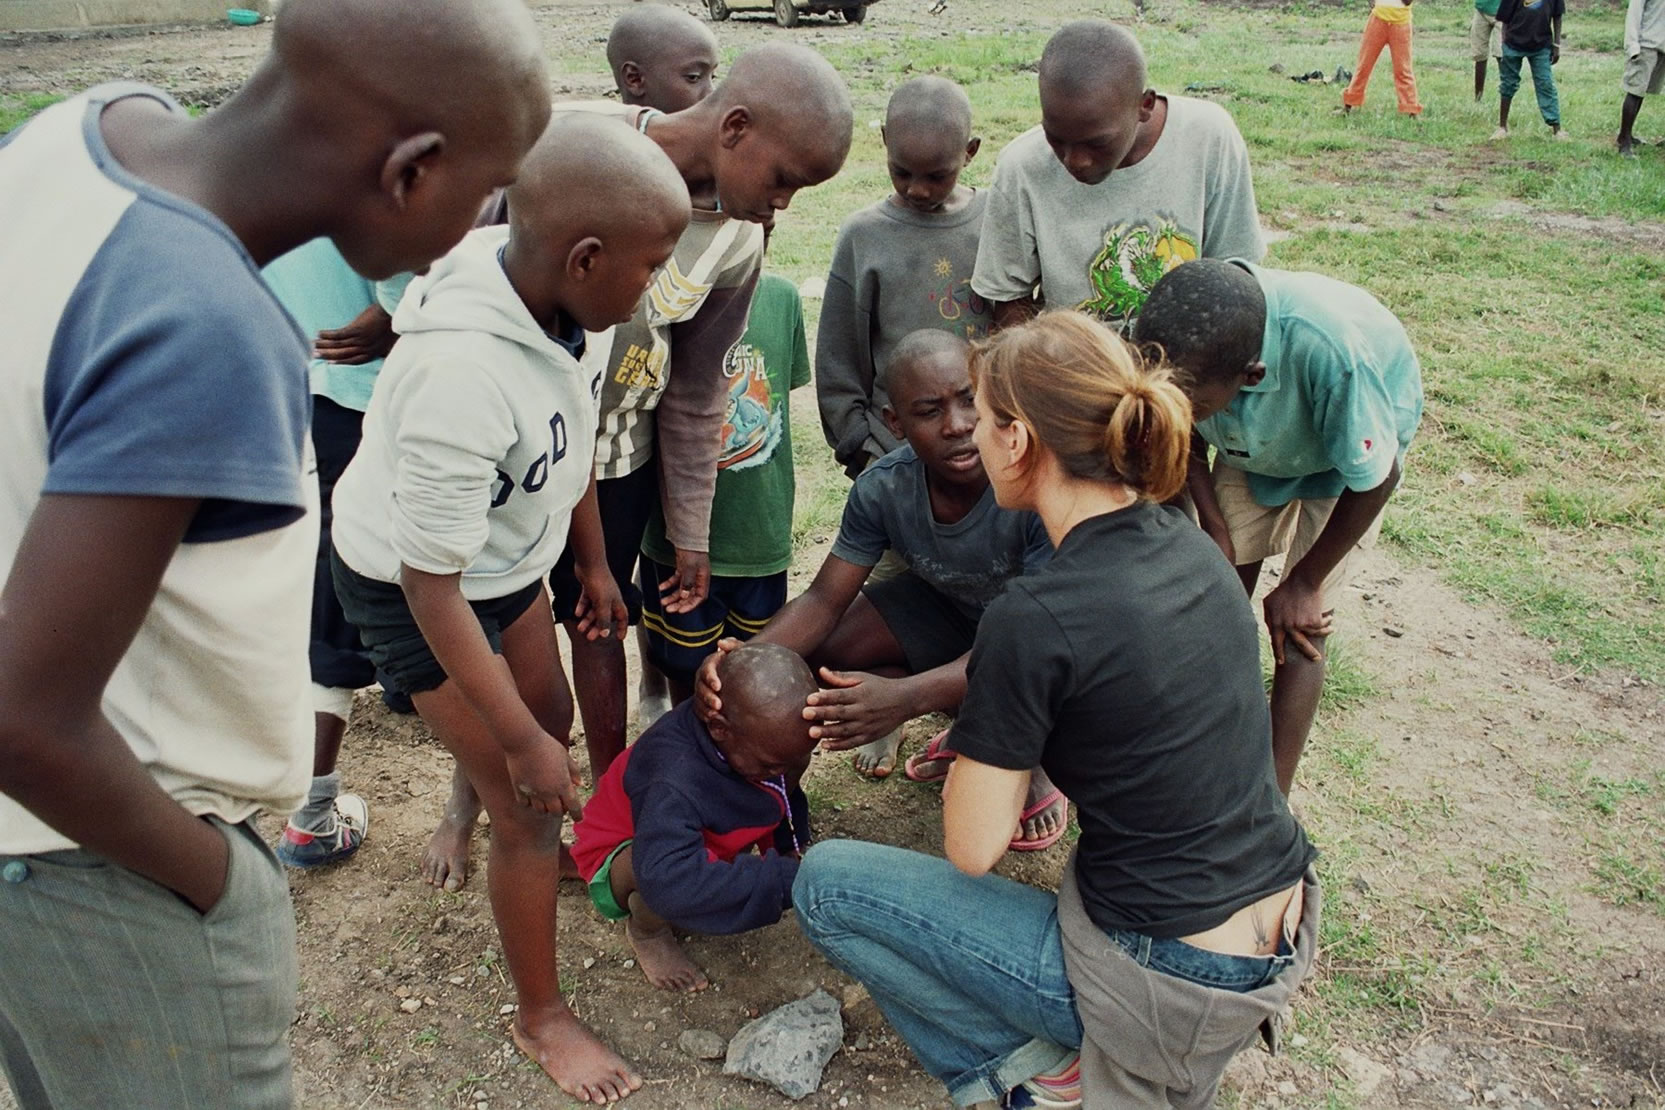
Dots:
pixel 1198 965
pixel 1543 80
pixel 969 971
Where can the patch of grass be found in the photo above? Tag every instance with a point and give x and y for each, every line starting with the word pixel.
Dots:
pixel 1626 880
pixel 15 109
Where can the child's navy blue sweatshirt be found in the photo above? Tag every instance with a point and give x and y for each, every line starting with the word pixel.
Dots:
pixel 694 824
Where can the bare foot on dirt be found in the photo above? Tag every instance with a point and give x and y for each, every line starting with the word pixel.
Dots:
pixel 662 959
pixel 878 759
pixel 445 861
pixel 570 1054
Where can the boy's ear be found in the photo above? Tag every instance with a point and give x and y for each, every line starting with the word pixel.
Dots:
pixel 630 74
pixel 583 258
pixel 1254 373
pixel 891 422
pixel 408 162
pixel 734 125
pixel 973 147
pixel 1147 105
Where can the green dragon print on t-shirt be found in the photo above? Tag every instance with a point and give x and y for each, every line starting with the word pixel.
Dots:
pixel 1134 258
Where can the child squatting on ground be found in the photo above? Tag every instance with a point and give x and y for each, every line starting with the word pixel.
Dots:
pixel 477 452
pixel 889 651
pixel 669 837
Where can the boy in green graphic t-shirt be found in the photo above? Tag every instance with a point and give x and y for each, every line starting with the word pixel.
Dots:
pixel 751 513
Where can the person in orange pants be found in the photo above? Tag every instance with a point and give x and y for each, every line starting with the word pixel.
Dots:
pixel 1390 26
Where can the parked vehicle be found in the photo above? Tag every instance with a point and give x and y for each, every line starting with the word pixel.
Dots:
pixel 788 11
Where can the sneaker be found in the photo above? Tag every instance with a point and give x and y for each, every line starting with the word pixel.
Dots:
pixel 1060 1090
pixel 1561 136
pixel 1500 134
pixel 301 849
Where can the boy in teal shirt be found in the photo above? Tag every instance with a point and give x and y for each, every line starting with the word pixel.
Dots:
pixel 348 319
pixel 751 513
pixel 1309 392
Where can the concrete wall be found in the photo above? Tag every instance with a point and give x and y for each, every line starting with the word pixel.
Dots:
pixel 62 15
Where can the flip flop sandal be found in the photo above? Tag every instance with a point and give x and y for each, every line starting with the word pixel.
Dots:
pixel 933 751
pixel 1019 844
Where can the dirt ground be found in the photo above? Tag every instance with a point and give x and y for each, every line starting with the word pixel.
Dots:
pixel 1469 719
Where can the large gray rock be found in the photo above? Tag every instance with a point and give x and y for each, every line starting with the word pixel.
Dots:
pixel 787 1047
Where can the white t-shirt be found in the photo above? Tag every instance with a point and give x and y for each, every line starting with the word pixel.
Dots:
pixel 479 439
pixel 1101 247
pixel 145 357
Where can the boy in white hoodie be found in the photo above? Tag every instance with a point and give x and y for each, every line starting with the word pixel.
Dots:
pixel 478 451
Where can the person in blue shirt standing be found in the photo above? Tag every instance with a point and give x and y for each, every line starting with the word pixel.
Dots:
pixel 1309 393
pixel 348 320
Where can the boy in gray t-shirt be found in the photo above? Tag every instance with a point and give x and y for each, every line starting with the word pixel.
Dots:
pixel 901 264
pixel 1116 186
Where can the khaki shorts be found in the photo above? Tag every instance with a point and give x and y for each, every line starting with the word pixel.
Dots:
pixel 1644 74
pixel 1483 37
pixel 1259 532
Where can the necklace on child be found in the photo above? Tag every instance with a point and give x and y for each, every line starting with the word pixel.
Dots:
pixel 778 786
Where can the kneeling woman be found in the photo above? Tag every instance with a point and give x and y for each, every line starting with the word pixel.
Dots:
pixel 1128 669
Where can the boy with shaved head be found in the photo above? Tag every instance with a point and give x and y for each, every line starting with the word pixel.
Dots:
pixel 476 456
pixel 661 57
pixel 1310 393
pixel 702 829
pixel 779 122
pixel 157 527
pixel 901 264
pixel 1115 187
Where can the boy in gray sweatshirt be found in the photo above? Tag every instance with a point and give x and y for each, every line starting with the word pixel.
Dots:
pixel 900 265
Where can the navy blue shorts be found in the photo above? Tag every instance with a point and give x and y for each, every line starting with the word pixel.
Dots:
pixel 396 645
pixel 738 607
pixel 625 504
pixel 338 656
pixel 930 627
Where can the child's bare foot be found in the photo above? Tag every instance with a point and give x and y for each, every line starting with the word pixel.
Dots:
pixel 878 759
pixel 570 1054
pixel 445 862
pixel 663 961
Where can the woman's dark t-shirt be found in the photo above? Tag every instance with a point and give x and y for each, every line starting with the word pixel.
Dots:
pixel 1129 669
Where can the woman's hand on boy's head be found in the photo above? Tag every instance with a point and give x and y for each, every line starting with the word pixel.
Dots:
pixel 708 706
pixel 601 610
pixel 686 590
pixel 856 708
pixel 544 776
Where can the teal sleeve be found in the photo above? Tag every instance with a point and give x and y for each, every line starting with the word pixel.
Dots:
pixel 1356 418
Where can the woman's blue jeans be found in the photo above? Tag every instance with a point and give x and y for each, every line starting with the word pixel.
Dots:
pixel 969 971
